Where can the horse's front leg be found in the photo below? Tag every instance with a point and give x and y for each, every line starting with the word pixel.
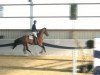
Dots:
pixel 43 49
pixel 24 49
pixel 28 49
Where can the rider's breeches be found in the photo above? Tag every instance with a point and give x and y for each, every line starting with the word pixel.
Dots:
pixel 35 34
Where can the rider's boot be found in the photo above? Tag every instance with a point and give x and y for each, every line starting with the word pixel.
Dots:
pixel 35 40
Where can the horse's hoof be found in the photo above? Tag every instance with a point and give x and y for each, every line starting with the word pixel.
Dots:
pixel 26 54
pixel 31 53
pixel 41 52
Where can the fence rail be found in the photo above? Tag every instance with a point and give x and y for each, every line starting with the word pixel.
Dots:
pixel 50 4
pixel 51 17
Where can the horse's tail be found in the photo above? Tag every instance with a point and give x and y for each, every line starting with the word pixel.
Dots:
pixel 14 45
pixel 18 41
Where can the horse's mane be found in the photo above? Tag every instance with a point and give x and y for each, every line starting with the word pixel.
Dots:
pixel 41 30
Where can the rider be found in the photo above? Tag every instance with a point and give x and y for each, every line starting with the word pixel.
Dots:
pixel 34 30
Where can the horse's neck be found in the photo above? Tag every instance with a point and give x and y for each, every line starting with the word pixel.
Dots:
pixel 40 34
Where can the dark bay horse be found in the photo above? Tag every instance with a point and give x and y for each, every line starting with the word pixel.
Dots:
pixel 25 40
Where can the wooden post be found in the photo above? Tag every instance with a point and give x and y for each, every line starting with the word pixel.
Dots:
pixel 73 11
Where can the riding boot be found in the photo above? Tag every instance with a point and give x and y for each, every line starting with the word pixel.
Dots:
pixel 35 40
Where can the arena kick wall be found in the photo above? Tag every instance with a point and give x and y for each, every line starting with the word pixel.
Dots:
pixel 53 34
pixel 7 50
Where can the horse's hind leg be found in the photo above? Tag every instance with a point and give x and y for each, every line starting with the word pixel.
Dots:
pixel 28 50
pixel 13 46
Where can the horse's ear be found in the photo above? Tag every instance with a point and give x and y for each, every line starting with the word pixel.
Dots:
pixel 45 27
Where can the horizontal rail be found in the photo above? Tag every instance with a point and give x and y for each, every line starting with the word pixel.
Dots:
pixel 39 17
pixel 50 4
pixel 66 3
pixel 17 17
pixel 13 4
pixel 66 16
pixel 51 17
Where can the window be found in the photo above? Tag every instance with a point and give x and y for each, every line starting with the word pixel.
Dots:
pixel 51 16
pixel 1 11
pixel 14 16
pixel 16 11
pixel 88 10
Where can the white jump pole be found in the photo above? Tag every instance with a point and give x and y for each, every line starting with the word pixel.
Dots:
pixel 96 56
pixel 96 52
pixel 74 63
pixel 73 17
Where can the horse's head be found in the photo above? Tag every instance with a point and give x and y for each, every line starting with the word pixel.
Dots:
pixel 45 31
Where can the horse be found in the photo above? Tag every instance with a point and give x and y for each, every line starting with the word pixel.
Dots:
pixel 25 40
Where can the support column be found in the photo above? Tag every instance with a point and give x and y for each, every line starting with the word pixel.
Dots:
pixel 31 13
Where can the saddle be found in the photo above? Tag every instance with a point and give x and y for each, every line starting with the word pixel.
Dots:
pixel 32 37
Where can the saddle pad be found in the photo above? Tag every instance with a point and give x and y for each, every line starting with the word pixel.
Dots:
pixel 30 37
